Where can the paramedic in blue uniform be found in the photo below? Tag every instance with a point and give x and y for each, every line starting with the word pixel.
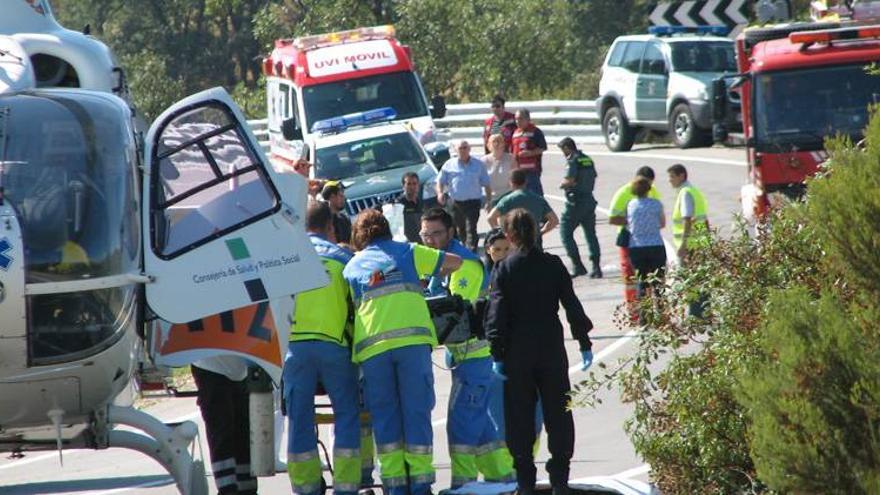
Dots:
pixel 320 353
pixel 475 442
pixel 393 339
pixel 528 348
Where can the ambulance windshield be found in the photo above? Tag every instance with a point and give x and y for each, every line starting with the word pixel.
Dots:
pixel 368 156
pixel 68 172
pixel 400 91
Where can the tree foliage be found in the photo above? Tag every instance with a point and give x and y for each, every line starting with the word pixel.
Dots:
pixel 466 50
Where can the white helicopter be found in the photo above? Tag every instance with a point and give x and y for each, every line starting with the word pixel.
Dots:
pixel 99 227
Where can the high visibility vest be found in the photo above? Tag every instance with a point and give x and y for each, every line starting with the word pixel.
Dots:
pixel 700 222
pixel 470 282
pixel 322 314
pixel 390 308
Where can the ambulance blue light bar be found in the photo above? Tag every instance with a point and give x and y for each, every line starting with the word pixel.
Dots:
pixel 341 123
pixel 672 30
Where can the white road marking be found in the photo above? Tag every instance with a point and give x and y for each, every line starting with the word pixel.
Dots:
pixel 659 156
pixel 632 473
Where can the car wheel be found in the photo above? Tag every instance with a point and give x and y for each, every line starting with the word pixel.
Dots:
pixel 683 129
pixel 619 136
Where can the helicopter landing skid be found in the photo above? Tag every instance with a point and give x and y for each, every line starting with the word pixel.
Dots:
pixel 169 446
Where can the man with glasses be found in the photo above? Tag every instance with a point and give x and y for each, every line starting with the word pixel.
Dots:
pixel 475 443
pixel 500 122
pixel 462 177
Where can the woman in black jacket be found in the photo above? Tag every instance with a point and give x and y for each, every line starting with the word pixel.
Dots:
pixel 525 334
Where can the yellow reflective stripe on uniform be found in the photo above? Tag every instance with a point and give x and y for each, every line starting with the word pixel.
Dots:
pixel 420 449
pixel 391 335
pixel 385 448
pixel 389 289
pixel 473 348
pixel 302 456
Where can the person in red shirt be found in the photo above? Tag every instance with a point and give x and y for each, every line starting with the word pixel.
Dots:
pixel 500 122
pixel 528 146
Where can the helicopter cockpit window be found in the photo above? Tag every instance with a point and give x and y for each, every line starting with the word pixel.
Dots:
pixel 67 169
pixel 209 181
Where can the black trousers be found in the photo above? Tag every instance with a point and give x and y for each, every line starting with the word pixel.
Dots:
pixel 224 407
pixel 649 264
pixel 524 384
pixel 465 214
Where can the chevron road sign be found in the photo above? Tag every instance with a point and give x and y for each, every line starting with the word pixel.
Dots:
pixel 730 13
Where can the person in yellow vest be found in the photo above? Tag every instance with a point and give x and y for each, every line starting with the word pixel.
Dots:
pixel 320 352
pixel 393 339
pixel 617 216
pixel 475 442
pixel 690 222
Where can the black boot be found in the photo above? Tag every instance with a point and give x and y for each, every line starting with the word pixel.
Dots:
pixel 597 270
pixel 561 490
pixel 577 270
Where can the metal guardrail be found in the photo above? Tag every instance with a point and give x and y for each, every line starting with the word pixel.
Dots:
pixel 556 118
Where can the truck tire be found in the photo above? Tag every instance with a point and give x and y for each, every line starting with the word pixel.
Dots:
pixel 683 128
pixel 619 136
pixel 753 36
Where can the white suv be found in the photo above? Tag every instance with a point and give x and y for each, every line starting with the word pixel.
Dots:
pixel 662 81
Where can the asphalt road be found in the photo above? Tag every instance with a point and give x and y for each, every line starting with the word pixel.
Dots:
pixel 602 447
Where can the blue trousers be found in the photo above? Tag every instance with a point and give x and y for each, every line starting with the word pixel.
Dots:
pixel 475 443
pixel 307 364
pixel 399 393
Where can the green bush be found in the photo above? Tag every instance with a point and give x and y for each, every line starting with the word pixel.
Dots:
pixel 814 397
pixel 778 389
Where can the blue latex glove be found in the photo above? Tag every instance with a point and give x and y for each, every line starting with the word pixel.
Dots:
pixel 498 369
pixel 588 359
pixel 450 361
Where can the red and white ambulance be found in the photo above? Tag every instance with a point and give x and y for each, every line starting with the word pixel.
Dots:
pixel 314 78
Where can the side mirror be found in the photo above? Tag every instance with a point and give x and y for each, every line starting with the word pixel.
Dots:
pixel 438 107
pixel 438 151
pixel 290 131
pixel 719 99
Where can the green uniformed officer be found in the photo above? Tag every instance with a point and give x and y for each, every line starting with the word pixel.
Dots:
pixel 580 207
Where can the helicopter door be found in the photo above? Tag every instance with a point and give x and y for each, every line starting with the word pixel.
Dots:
pixel 224 230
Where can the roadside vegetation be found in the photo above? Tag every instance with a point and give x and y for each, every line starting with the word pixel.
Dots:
pixel 778 389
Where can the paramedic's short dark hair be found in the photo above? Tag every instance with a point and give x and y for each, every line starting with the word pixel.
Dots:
pixel 499 99
pixel 409 175
pixel 330 189
pixel 567 142
pixel 646 172
pixel 677 170
pixel 438 214
pixel 318 216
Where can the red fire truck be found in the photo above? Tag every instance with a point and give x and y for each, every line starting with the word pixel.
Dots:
pixel 798 84
pixel 318 77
